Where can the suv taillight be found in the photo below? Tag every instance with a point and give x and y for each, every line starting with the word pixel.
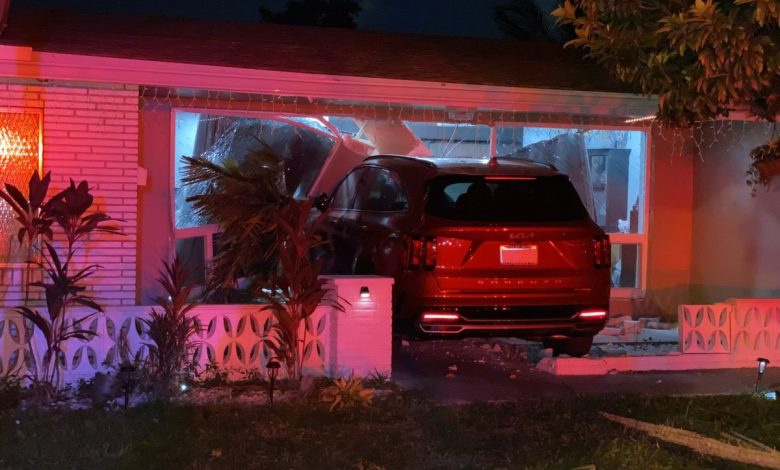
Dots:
pixel 602 253
pixel 422 252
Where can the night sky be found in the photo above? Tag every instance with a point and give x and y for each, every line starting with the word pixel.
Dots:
pixel 437 17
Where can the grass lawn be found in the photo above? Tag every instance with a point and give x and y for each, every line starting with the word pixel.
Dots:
pixel 402 431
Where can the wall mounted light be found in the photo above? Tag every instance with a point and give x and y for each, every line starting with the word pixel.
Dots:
pixel 364 293
pixel 762 363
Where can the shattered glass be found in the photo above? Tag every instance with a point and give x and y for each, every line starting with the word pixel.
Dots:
pixel 301 151
pixel 568 154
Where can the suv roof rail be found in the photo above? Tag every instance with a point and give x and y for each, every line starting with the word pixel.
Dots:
pixel 406 158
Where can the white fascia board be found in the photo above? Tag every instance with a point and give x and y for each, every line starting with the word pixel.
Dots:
pixel 68 67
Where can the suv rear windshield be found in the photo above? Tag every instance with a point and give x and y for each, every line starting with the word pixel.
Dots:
pixel 504 199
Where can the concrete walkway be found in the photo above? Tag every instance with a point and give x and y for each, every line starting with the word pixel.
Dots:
pixel 455 371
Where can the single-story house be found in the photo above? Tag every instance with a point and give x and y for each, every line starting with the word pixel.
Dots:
pixel 118 102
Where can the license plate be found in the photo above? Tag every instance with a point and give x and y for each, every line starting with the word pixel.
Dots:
pixel 526 255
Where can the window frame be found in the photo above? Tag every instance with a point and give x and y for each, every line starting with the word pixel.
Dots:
pixel 639 239
pixel 209 231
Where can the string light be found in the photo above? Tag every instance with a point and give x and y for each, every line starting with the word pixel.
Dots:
pixel 725 132
pixel 648 117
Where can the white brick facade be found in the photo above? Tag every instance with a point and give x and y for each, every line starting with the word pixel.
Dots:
pixel 89 133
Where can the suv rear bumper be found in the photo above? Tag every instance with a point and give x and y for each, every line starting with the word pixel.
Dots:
pixel 532 321
pixel 525 329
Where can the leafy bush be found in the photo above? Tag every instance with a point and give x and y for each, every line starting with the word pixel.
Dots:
pixel 171 329
pixel 10 389
pixel 761 159
pixel 31 216
pixel 295 291
pixel 62 291
pixel 347 393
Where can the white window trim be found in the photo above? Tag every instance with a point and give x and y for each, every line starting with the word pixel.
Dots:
pixel 640 239
pixel 208 231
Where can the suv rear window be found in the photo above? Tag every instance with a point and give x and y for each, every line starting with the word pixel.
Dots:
pixel 504 199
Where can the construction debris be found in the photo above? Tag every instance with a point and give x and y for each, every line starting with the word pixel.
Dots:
pixel 748 451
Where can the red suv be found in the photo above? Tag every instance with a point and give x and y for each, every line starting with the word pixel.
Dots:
pixel 476 247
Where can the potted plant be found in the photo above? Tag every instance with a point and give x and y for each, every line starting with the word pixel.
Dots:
pixel 764 165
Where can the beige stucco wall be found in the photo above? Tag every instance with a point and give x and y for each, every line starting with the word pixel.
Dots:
pixel 669 227
pixel 736 237
pixel 671 200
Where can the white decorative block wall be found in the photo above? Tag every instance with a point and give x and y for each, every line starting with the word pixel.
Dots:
pixel 705 329
pixel 742 328
pixel 755 327
pixel 231 337
pixel 89 133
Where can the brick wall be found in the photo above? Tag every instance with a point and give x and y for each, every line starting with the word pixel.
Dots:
pixel 89 133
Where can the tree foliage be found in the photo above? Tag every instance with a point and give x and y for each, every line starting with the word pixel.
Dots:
pixel 702 60
pixel 330 13
pixel 530 20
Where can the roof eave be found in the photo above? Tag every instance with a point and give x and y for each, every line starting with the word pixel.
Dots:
pixel 24 62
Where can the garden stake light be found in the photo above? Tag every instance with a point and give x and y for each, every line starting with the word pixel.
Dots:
pixel 127 377
pixel 273 372
pixel 762 363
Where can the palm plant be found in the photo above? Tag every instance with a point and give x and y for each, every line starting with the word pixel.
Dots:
pixel 242 199
pixel 171 329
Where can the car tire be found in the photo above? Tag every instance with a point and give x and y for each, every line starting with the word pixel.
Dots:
pixel 575 347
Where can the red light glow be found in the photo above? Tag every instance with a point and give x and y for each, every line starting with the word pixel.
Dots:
pixel 593 314
pixel 509 178
pixel 440 317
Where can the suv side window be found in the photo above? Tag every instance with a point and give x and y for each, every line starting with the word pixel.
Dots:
pixel 344 196
pixel 381 191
